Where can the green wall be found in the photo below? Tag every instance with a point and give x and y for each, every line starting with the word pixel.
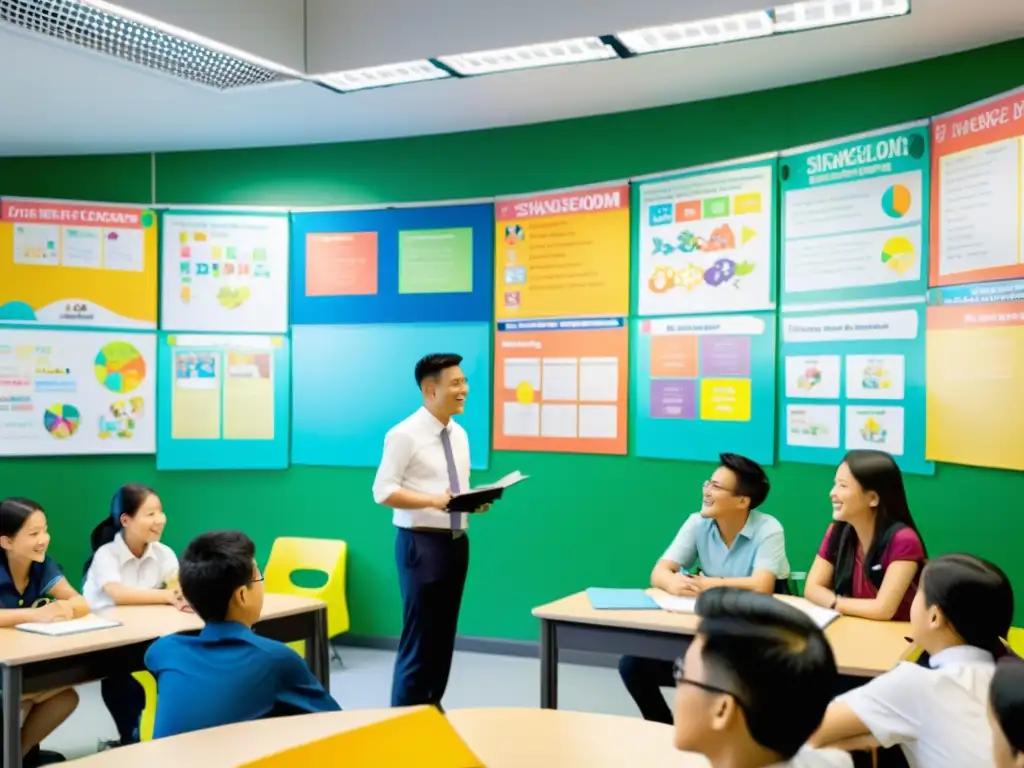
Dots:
pixel 581 520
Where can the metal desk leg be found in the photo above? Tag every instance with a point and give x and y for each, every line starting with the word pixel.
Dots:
pixel 12 716
pixel 548 664
pixel 317 651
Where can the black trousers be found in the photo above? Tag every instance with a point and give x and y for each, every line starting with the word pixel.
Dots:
pixel 125 700
pixel 644 679
pixel 432 570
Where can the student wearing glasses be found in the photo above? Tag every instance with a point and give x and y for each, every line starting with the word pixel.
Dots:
pixel 734 544
pixel 1006 714
pixel 754 685
pixel 227 673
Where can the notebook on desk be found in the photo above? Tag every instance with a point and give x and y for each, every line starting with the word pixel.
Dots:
pixel 620 599
pixel 89 623
pixel 820 616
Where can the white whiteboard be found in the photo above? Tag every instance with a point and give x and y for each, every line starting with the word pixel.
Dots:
pixel 68 393
pixel 224 272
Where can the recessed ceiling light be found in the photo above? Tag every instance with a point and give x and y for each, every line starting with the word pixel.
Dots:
pixel 693 34
pixel 384 75
pixel 794 17
pixel 575 51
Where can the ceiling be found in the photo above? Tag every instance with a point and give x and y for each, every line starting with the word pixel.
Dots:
pixel 59 99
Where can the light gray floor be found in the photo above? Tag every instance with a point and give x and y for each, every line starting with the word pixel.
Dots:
pixel 478 680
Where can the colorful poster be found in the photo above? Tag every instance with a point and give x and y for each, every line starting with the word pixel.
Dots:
pixel 978 192
pixel 223 402
pixel 705 385
pixel 563 254
pixel 77 264
pixel 393 265
pixel 705 239
pixel 976 375
pixel 68 393
pixel 855 218
pixel 328 432
pixel 853 378
pixel 560 386
pixel 224 272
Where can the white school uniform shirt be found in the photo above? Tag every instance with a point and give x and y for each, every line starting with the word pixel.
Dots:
pixel 818 758
pixel 937 715
pixel 114 562
pixel 414 459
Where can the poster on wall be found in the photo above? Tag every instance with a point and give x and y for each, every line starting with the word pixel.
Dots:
pixel 224 272
pixel 563 254
pixel 392 265
pixel 705 385
pixel 223 402
pixel 77 264
pixel 853 379
pixel 560 385
pixel 976 375
pixel 66 393
pixel 855 218
pixel 328 431
pixel 978 192
pixel 705 239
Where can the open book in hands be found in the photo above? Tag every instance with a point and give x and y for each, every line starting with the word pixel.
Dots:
pixel 482 495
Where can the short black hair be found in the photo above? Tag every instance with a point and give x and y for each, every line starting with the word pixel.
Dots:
pixel 1006 695
pixel 431 366
pixel 212 567
pixel 760 649
pixel 751 481
pixel 975 596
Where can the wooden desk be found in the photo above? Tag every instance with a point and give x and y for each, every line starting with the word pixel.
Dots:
pixel 501 738
pixel 30 663
pixel 862 648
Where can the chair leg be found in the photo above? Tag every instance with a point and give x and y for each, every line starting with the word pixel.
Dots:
pixel 336 656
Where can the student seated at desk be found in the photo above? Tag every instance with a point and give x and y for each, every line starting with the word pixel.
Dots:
pixel 1006 714
pixel 28 579
pixel 227 673
pixel 130 566
pixel 960 616
pixel 736 546
pixel 754 685
pixel 870 560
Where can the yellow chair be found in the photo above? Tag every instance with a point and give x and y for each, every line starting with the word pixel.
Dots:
pixel 330 556
pixel 1016 641
pixel 148 683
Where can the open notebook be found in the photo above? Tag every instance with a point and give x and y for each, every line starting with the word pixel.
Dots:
pixel 820 616
pixel 88 623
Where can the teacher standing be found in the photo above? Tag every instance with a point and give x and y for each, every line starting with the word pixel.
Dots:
pixel 425 461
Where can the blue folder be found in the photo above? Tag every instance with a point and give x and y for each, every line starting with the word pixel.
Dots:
pixel 620 599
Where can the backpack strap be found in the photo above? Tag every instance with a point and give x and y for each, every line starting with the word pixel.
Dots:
pixel 873 564
pixel 843 557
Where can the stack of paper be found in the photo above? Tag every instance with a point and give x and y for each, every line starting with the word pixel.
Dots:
pixel 676 604
pixel 87 623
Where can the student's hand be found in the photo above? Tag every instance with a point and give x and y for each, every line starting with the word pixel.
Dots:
pixel 684 585
pixel 483 508
pixel 58 610
pixel 441 501
pixel 702 583
pixel 176 598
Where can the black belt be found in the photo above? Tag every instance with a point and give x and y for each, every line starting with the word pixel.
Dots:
pixel 455 534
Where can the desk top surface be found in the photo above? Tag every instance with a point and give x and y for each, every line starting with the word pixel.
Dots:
pixel 138 624
pixel 862 647
pixel 500 738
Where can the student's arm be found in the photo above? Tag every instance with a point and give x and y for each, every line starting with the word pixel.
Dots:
pixel 387 486
pixel 886 709
pixel 106 573
pixel 895 583
pixel 818 587
pixel 297 688
pixel 680 555
pixel 63 592
pixel 10 617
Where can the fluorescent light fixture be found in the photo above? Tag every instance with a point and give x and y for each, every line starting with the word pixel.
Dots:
pixel 385 75
pixel 576 51
pixel 812 14
pixel 693 34
pixel 136 39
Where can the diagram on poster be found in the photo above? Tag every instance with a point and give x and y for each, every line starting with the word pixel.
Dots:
pixel 76 392
pixel 706 240
pixel 77 264
pixel 225 272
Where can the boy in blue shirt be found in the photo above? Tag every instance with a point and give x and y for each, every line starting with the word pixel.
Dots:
pixel 227 673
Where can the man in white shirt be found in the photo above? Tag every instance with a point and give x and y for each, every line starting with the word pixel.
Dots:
pixel 425 462
pixel 755 684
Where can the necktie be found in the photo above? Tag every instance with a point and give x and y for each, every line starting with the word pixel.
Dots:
pixel 453 476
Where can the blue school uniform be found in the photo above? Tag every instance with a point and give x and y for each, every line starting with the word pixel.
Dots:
pixel 42 577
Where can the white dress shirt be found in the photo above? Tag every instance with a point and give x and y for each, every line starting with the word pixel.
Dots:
pixel 114 562
pixel 818 758
pixel 414 460
pixel 937 715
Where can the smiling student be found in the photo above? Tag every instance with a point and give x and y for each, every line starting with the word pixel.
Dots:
pixel 960 615
pixel 130 566
pixel 1006 714
pixel 870 560
pixel 736 546
pixel 32 588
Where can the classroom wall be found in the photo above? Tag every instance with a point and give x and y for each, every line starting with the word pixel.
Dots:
pixel 581 520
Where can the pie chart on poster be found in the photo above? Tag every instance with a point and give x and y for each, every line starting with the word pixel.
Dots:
pixel 61 420
pixel 896 201
pixel 120 367
pixel 898 254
